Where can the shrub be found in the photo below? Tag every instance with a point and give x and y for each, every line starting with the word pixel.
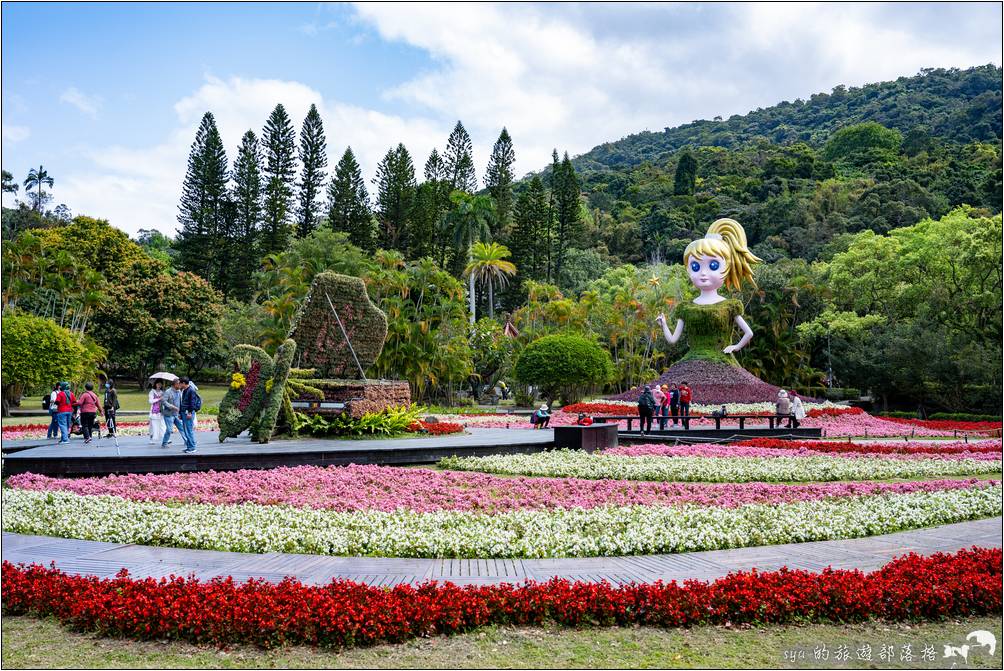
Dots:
pixel 38 352
pixel 564 364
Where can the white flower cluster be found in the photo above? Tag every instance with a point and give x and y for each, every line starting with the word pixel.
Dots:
pixel 576 532
pixel 578 464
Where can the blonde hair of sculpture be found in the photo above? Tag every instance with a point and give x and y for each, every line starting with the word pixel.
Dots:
pixel 726 239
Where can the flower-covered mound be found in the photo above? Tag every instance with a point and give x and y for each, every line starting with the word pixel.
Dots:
pixel 577 464
pixel 343 613
pixel 348 488
pixel 713 382
pixel 576 532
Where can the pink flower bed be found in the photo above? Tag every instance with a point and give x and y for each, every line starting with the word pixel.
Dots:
pixel 868 425
pixel 748 451
pixel 31 431
pixel 350 488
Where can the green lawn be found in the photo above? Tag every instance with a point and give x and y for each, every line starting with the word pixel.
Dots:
pixel 130 398
pixel 32 643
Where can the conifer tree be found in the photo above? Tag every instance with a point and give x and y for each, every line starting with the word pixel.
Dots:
pixel 459 161
pixel 395 199
pixel 201 210
pixel 552 184
pixel 435 202
pixel 498 180
pixel 531 235
pixel 567 211
pixel 313 159
pixel 686 175
pixel 246 194
pixel 279 145
pixel 348 203
pixel 434 169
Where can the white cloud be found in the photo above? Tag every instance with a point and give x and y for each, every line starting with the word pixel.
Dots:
pixel 88 104
pixel 572 77
pixel 14 133
pixel 138 188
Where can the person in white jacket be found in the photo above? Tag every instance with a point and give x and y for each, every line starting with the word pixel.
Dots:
pixel 797 410
pixel 156 419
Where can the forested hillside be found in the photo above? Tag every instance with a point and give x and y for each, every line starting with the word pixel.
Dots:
pixel 958 106
pixel 798 175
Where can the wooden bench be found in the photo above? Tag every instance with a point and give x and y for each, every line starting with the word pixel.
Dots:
pixel 771 419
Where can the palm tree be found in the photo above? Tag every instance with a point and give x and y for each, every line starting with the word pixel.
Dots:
pixel 488 266
pixel 36 180
pixel 468 222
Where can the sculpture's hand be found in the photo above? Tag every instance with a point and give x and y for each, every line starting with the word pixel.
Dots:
pixel 730 349
pixel 661 319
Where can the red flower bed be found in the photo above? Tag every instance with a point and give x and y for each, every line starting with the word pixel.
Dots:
pixel 834 412
pixel 945 424
pixel 873 448
pixel 600 409
pixel 345 613
pixel 436 428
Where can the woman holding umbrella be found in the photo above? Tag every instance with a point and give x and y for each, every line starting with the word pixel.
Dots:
pixel 154 399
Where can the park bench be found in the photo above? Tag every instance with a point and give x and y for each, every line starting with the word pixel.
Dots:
pixel 771 420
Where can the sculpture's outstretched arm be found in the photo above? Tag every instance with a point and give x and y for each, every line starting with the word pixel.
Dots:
pixel 747 336
pixel 674 335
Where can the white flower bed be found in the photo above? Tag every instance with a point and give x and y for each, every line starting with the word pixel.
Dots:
pixel 576 532
pixel 578 464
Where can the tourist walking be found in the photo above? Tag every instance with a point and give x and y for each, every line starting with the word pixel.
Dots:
pixel 170 409
pixel 111 405
pixel 89 409
pixel 49 403
pixel 783 405
pixel 686 395
pixel 191 403
pixel 65 401
pixel 674 404
pixel 797 411
pixel 156 420
pixel 663 410
pixel 659 396
pixel 646 408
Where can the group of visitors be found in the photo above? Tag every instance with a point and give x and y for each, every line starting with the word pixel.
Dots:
pixel 664 402
pixel 174 407
pixel 67 411
pixel 789 406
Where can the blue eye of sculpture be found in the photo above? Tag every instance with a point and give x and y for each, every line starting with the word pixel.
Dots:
pixel 714 265
pixel 695 266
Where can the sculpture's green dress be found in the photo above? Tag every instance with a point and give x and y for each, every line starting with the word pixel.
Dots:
pixel 708 329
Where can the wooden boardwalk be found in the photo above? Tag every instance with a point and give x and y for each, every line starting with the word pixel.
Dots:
pixel 107 559
pixel 134 454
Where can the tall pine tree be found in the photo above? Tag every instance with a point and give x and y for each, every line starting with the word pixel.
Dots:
pixel 435 202
pixel 459 161
pixel 246 194
pixel 348 203
pixel 395 198
pixel 498 180
pixel 531 235
pixel 567 211
pixel 313 159
pixel 202 207
pixel 279 144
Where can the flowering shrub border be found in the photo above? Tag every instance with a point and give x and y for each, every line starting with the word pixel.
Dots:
pixel 344 613
pixel 598 532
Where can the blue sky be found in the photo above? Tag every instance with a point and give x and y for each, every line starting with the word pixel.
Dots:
pixel 107 96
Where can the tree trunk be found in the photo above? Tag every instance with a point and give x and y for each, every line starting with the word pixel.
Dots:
pixel 470 297
pixel 491 299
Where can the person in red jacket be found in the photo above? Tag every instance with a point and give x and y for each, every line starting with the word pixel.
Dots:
pixel 65 400
pixel 685 396
pixel 89 409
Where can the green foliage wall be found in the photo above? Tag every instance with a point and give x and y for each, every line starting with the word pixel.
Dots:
pixel 320 341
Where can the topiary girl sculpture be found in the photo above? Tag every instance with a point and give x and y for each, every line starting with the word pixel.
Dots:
pixel 719 258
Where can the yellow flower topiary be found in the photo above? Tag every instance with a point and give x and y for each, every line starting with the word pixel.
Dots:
pixel 237 381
